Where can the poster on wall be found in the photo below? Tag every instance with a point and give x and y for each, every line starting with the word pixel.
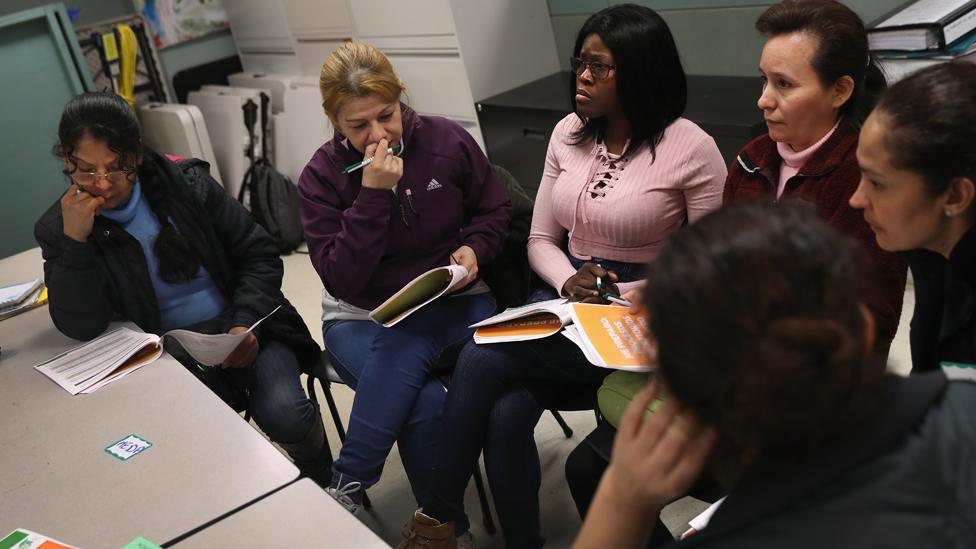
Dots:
pixel 175 21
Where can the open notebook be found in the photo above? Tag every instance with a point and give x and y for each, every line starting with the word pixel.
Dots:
pixel 532 321
pixel 93 365
pixel 418 292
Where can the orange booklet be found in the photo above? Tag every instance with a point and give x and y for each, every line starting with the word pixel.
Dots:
pixel 532 321
pixel 610 337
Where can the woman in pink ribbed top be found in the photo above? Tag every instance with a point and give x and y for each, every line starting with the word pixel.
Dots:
pixel 622 173
pixel 618 208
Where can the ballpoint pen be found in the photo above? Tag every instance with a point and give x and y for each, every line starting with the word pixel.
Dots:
pixel 395 149
pixel 616 299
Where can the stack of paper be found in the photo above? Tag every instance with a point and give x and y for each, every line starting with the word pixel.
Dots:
pixel 12 297
pixel 35 299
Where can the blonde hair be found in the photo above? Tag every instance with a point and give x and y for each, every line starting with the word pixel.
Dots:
pixel 355 70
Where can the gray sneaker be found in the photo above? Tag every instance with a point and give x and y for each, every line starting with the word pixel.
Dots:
pixel 349 495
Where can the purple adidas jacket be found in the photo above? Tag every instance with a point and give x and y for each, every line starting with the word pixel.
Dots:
pixel 368 243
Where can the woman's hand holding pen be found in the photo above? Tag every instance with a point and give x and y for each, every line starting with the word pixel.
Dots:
pixel 78 211
pixel 465 256
pixel 385 170
pixel 589 284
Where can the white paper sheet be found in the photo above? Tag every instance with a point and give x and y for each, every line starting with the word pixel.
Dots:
pixel 212 349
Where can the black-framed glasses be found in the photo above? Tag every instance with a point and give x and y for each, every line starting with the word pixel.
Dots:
pixel 598 70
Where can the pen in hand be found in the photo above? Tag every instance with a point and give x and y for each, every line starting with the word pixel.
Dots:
pixel 616 299
pixel 395 149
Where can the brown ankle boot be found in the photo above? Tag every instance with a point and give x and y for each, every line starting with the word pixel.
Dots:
pixel 423 532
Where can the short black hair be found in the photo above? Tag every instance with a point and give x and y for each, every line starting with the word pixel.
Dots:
pixel 651 83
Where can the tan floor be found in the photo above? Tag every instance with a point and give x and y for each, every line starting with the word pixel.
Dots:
pixel 392 500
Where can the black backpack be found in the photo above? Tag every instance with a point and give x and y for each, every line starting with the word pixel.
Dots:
pixel 273 197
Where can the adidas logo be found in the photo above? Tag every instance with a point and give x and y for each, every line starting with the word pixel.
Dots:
pixel 433 185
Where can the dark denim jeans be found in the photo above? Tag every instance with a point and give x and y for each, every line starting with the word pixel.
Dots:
pixel 270 389
pixel 488 408
pixel 397 398
pixel 278 402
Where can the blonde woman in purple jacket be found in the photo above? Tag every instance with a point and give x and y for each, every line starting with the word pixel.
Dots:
pixel 435 202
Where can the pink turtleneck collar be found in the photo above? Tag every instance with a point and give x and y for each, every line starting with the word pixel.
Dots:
pixel 793 161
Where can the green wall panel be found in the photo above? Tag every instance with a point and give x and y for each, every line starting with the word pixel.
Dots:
pixel 89 11
pixel 32 57
pixel 569 7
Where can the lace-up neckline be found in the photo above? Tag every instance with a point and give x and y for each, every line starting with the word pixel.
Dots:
pixel 607 172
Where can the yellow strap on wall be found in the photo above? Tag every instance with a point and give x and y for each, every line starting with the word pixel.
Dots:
pixel 127 63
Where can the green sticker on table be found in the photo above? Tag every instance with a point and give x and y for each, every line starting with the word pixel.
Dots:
pixel 141 543
pixel 13 539
pixel 128 447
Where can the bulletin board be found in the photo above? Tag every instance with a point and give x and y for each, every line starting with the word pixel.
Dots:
pixel 175 21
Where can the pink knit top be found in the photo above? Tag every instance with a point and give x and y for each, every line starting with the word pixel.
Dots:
pixel 620 210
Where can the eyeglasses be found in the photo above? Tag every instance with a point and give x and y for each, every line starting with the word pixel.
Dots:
pixel 115 177
pixel 598 70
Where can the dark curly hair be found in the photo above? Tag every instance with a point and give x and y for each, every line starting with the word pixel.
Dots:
pixel 756 312
pixel 106 117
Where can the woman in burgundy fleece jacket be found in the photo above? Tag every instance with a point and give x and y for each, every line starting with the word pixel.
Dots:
pixel 436 201
pixel 819 84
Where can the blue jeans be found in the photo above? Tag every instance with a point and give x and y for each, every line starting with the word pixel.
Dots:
pixel 278 402
pixel 397 398
pixel 488 408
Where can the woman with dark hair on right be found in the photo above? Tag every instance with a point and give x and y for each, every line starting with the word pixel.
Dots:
pixel 819 84
pixel 918 156
pixel 786 405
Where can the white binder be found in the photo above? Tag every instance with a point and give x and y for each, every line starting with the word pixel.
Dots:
pixel 178 130
pixel 222 110
pixel 302 128
pixel 275 83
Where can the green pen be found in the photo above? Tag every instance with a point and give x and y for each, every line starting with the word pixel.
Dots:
pixel 395 149
pixel 616 299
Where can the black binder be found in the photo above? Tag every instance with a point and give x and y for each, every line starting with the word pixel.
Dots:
pixel 923 33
